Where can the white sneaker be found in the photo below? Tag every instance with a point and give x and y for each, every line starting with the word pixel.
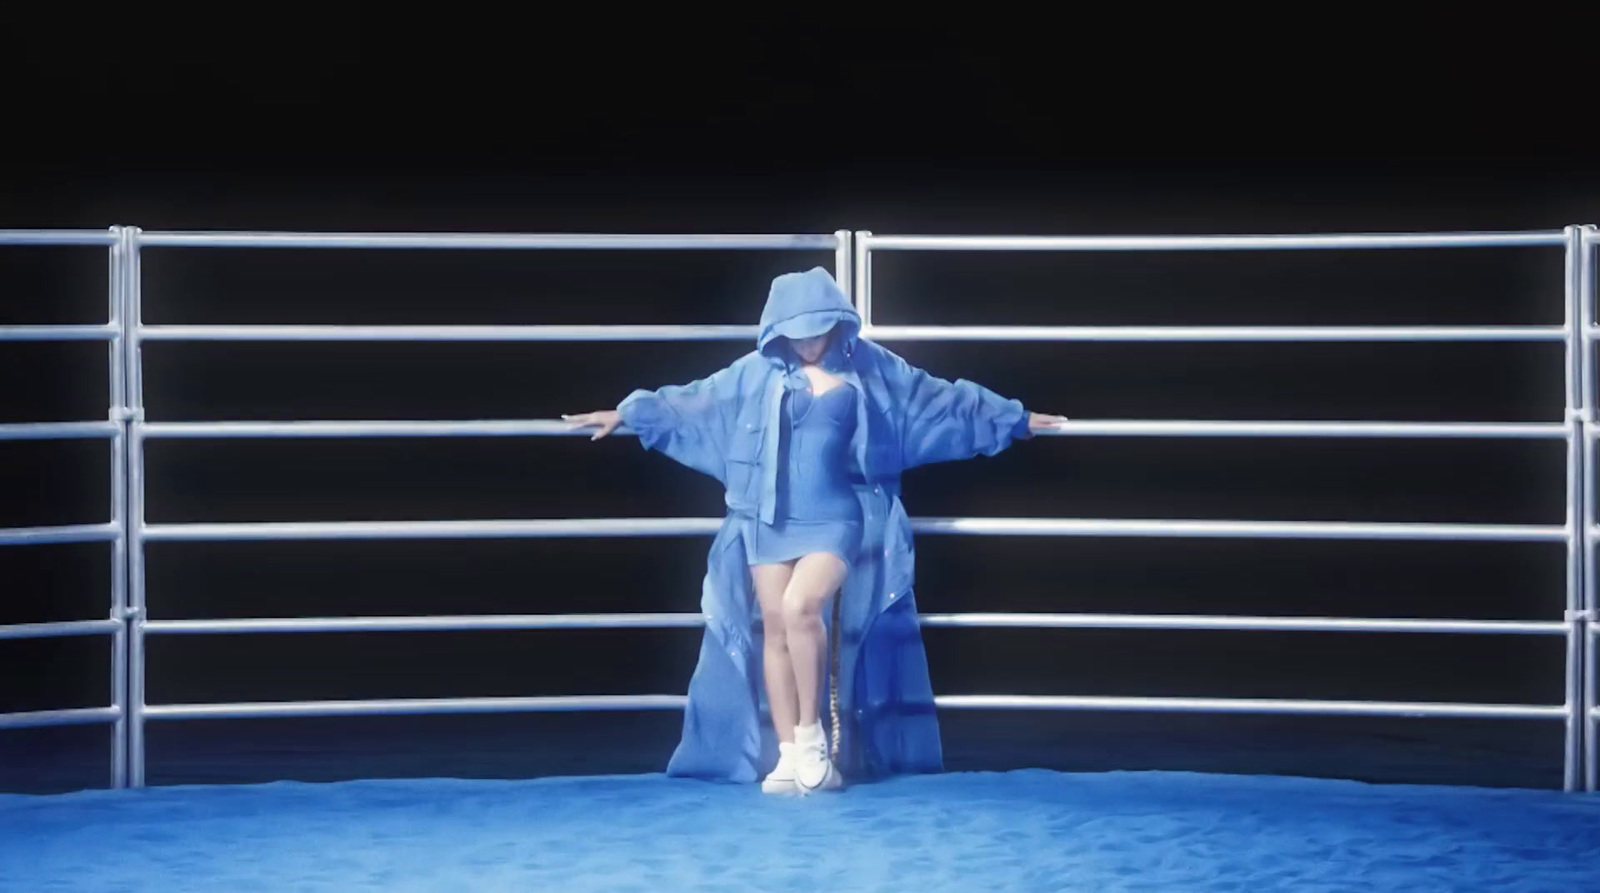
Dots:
pixel 813 770
pixel 781 779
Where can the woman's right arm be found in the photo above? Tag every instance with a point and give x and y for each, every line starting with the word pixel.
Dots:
pixel 688 423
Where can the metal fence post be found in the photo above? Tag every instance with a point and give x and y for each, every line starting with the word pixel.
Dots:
pixel 119 505
pixel 1582 281
pixel 1577 513
pixel 134 322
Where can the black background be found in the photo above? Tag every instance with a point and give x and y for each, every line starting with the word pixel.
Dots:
pixel 323 121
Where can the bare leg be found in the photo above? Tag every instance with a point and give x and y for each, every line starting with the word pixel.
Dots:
pixel 817 577
pixel 771 580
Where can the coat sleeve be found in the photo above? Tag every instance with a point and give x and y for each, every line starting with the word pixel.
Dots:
pixel 688 423
pixel 944 421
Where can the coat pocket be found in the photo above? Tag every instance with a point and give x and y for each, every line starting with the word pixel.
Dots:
pixel 744 457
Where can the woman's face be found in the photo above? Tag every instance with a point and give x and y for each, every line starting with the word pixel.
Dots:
pixel 811 349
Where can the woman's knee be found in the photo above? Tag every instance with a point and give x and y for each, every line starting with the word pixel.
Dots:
pixel 802 610
pixel 771 582
pixel 774 627
pixel 816 579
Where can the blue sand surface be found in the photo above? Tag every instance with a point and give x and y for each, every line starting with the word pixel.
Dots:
pixel 1021 830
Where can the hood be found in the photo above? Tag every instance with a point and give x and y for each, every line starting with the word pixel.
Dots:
pixel 804 305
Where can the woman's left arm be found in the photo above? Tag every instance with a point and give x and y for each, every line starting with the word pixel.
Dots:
pixel 945 421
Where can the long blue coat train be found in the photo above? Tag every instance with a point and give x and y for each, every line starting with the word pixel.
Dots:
pixel 727 426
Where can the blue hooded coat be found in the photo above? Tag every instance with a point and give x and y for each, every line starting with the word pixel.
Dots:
pixel 727 426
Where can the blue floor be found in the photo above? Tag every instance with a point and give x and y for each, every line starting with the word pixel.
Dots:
pixel 1021 830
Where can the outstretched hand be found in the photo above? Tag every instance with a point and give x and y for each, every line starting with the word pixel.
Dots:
pixel 606 420
pixel 1039 422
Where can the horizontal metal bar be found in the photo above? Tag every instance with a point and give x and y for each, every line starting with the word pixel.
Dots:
pixel 401 707
pixel 1240 529
pixel 448 333
pixel 60 629
pixel 42 718
pixel 508 428
pixel 875 242
pixel 569 241
pixel 422 624
pixel 77 533
pixel 59 430
pixel 555 428
pixel 1249 705
pixel 58 333
pixel 682 620
pixel 640 527
pixel 409 707
pixel 1488 430
pixel 57 237
pixel 1289 334
pixel 1230 334
pixel 584 527
pixel 1284 624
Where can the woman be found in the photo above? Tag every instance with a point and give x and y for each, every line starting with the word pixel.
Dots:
pixel 809 434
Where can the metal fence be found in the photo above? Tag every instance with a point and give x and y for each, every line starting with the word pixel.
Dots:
pixel 114 531
pixel 1572 625
pixel 128 429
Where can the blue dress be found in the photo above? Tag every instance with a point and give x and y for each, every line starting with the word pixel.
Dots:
pixel 817 507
